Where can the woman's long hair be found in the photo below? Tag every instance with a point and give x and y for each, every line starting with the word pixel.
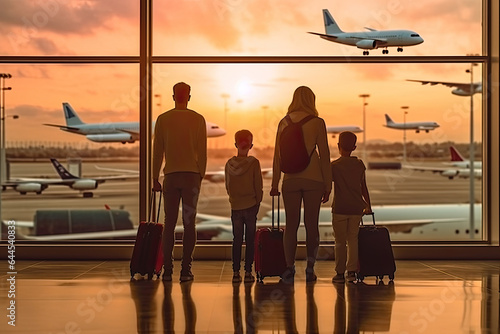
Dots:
pixel 303 100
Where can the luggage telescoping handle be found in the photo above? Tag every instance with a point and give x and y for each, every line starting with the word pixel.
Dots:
pixel 152 207
pixel 371 214
pixel 272 210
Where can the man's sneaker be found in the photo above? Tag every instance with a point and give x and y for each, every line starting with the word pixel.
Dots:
pixel 351 276
pixel 339 278
pixel 236 277
pixel 249 277
pixel 186 276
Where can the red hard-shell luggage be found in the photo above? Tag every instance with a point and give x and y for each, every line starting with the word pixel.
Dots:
pixel 147 257
pixel 375 252
pixel 269 251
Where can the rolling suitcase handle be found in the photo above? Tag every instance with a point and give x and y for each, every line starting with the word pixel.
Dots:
pixel 373 218
pixel 272 215
pixel 152 207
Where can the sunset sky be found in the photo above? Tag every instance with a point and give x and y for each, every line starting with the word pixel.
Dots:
pixel 257 96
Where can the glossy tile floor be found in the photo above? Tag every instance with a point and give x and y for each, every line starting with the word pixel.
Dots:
pixel 98 297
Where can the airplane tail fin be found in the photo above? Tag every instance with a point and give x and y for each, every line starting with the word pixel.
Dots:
pixel 70 115
pixel 331 27
pixel 455 155
pixel 388 120
pixel 63 172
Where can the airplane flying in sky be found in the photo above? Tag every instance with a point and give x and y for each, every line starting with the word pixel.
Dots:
pixel 368 40
pixel 462 89
pixel 25 185
pixel 124 132
pixel 417 126
pixel 461 167
pixel 404 222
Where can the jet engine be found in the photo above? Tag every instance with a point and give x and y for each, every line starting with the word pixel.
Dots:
pixel 24 188
pixel 84 185
pixel 367 44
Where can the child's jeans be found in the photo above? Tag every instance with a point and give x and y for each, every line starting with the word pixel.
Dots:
pixel 244 223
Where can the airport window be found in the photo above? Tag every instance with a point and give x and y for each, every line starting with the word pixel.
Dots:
pixel 243 71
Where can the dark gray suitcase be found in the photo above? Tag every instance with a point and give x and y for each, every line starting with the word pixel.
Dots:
pixel 375 252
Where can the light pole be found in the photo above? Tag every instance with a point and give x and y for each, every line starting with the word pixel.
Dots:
pixel 225 96
pixel 3 164
pixel 405 108
pixel 364 97
pixel 471 151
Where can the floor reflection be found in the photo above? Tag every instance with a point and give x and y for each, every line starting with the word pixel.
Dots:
pixel 274 307
pixel 430 297
pixel 143 293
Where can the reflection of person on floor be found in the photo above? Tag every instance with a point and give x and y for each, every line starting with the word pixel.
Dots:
pixel 189 308
pixel 143 293
pixel 237 313
pixel 251 326
pixel 312 310
pixel 244 187
pixel 237 318
pixel 168 313
pixel 180 138
pixel 346 318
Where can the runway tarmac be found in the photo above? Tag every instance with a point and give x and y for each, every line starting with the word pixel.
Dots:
pixel 385 186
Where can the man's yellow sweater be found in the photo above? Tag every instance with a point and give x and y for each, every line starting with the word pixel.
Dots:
pixel 180 136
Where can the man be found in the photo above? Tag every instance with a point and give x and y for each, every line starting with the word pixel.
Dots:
pixel 180 136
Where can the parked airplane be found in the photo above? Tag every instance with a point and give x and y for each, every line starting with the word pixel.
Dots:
pixel 462 89
pixel 37 185
pixel 458 160
pixel 124 132
pixel 438 222
pixel 368 40
pixel 417 126
pixel 461 170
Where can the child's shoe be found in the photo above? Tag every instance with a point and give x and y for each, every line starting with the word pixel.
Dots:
pixel 236 277
pixel 249 278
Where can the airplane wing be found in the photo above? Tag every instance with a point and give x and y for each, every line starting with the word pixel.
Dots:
pixel 64 127
pixel 427 169
pixel 406 226
pixel 460 85
pixel 322 35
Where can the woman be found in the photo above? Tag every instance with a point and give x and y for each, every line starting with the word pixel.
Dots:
pixel 311 185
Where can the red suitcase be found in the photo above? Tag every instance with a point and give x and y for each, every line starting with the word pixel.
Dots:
pixel 147 257
pixel 375 252
pixel 269 251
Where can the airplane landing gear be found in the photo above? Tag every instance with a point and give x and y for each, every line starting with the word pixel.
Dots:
pixel 400 49
pixel 385 52
pixel 366 53
pixel 88 194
